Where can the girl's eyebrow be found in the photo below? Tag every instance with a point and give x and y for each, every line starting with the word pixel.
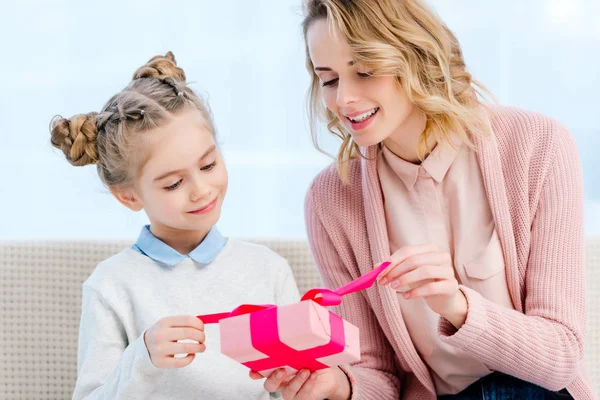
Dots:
pixel 206 153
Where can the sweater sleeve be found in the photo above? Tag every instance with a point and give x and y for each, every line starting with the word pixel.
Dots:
pixel 108 367
pixel 287 290
pixel 544 345
pixel 375 376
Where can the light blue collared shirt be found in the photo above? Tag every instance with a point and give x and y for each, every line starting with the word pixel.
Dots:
pixel 151 246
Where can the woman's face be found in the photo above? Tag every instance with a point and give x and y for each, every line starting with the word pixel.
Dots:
pixel 372 108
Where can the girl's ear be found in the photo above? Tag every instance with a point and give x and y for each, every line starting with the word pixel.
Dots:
pixel 128 198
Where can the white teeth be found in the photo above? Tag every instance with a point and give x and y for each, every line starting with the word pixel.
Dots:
pixel 363 116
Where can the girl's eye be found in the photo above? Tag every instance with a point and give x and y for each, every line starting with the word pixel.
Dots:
pixel 174 186
pixel 365 74
pixel 209 166
pixel 331 82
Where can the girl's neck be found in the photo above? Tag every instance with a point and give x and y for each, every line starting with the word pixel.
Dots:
pixel 183 241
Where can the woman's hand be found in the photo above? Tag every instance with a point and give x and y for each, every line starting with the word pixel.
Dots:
pixel 162 341
pixel 424 271
pixel 330 383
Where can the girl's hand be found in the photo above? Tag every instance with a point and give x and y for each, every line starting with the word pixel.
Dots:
pixel 162 341
pixel 424 271
pixel 330 383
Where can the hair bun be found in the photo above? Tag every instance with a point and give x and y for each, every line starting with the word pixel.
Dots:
pixel 76 137
pixel 161 67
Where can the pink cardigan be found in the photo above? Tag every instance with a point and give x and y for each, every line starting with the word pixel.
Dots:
pixel 533 180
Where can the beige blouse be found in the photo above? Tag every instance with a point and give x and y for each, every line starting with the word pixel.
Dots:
pixel 443 201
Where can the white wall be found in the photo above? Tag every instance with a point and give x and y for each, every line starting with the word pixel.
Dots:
pixel 68 57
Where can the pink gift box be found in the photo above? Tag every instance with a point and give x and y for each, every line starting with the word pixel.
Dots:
pixel 304 335
pixel 296 336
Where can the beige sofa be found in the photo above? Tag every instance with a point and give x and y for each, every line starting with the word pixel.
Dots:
pixel 40 289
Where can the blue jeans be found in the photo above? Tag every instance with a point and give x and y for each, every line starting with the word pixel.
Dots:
pixel 498 386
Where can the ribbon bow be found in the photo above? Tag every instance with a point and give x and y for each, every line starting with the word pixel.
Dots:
pixel 324 297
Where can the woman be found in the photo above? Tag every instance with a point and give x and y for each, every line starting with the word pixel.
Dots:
pixel 478 207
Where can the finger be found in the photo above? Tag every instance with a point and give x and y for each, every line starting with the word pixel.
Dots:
pixel 408 251
pixel 433 289
pixel 421 275
pixel 256 376
pixel 273 382
pixel 172 348
pixel 306 391
pixel 288 377
pixel 418 260
pixel 186 333
pixel 188 348
pixel 415 261
pixel 185 321
pixel 405 252
pixel 172 362
pixel 292 388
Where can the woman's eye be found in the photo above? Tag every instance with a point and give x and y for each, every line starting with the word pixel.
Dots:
pixel 174 186
pixel 365 74
pixel 330 82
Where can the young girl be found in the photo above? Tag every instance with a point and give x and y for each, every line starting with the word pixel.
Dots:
pixel 478 207
pixel 154 146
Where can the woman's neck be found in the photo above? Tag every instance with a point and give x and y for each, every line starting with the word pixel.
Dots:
pixel 404 141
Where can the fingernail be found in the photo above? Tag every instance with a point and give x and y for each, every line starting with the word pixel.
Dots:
pixel 406 295
pixel 313 376
pixel 304 374
pixel 278 374
pixel 395 284
pixel 383 281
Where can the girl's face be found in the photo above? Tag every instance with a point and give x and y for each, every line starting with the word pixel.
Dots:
pixel 373 109
pixel 183 183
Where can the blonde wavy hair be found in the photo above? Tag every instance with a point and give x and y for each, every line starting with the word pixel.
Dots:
pixel 114 137
pixel 405 39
